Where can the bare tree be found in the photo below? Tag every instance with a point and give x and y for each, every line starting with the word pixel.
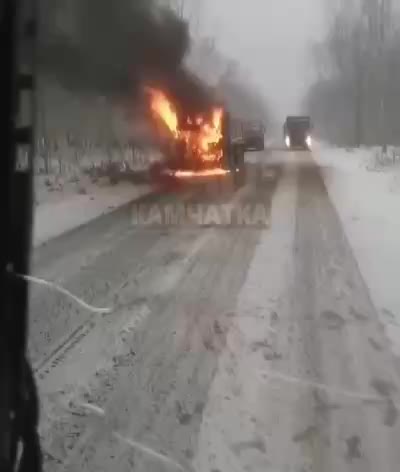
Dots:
pixel 358 74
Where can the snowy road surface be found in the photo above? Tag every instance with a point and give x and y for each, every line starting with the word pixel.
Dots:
pixel 229 348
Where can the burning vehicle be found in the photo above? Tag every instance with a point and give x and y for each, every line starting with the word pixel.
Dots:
pixel 203 144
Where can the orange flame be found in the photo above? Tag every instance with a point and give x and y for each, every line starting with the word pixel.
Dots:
pixel 163 108
pixel 201 141
pixel 200 173
pixel 211 134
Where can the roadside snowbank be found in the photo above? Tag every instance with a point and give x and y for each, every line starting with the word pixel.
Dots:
pixel 65 205
pixel 68 197
pixel 365 188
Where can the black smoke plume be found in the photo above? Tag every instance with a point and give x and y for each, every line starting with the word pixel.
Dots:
pixel 114 47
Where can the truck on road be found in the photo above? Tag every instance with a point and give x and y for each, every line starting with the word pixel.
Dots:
pixel 297 132
pixel 254 132
pixel 204 145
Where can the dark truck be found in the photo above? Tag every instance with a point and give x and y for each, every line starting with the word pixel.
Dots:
pixel 254 132
pixel 297 132
pixel 234 146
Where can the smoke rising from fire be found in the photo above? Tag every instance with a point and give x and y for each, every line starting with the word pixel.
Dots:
pixel 112 47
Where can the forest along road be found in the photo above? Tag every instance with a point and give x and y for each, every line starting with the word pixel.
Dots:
pixel 229 347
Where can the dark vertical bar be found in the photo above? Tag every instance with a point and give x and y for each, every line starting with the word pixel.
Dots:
pixel 8 390
pixel 16 213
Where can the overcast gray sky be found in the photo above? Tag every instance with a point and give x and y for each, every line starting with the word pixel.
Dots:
pixel 271 39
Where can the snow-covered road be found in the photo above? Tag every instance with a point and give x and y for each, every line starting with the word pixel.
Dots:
pixel 229 348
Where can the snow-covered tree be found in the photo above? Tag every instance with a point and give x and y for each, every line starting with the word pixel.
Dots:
pixel 354 100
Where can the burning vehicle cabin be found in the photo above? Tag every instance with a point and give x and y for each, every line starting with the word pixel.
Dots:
pixel 208 144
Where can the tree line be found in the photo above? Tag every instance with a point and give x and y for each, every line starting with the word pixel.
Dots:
pixel 356 97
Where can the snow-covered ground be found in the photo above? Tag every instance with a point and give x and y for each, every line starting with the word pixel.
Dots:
pixel 63 205
pixel 365 189
pixel 231 349
pixel 67 198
